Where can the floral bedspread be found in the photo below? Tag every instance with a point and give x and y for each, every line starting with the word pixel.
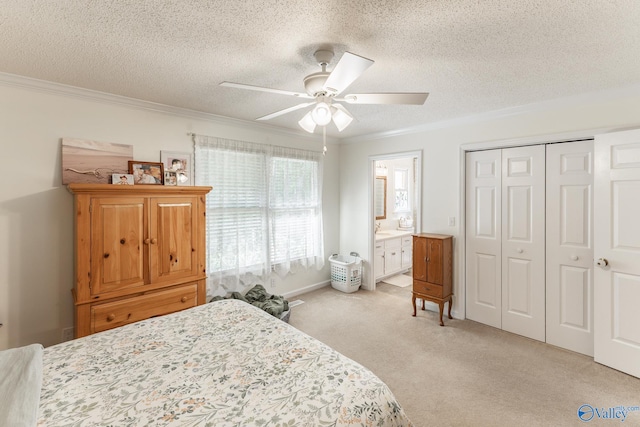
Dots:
pixel 225 363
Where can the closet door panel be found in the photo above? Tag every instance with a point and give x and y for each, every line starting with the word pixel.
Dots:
pixel 484 236
pixel 523 241
pixel 570 246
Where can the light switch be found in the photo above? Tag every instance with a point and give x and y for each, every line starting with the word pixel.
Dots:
pixel 452 221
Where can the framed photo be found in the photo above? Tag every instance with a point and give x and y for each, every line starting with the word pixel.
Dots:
pixel 122 179
pixel 170 177
pixel 181 163
pixel 146 173
pixel 93 162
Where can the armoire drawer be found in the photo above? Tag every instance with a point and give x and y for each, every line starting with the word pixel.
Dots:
pixel 113 314
pixel 428 289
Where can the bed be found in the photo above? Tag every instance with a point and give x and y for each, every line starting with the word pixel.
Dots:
pixel 225 363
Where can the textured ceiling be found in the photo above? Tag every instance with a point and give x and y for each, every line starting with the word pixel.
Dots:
pixel 472 56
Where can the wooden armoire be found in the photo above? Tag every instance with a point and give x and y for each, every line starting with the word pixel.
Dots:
pixel 139 253
pixel 433 270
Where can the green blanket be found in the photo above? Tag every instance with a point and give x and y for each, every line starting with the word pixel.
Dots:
pixel 258 296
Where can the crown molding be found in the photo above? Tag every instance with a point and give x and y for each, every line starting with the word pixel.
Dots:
pixel 569 101
pixel 43 86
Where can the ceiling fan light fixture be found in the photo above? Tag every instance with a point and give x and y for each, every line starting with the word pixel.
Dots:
pixel 341 117
pixel 307 123
pixel 321 113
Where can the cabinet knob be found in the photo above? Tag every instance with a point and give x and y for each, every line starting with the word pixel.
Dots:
pixel 111 317
pixel 146 241
pixel 183 299
pixel 519 250
pixel 574 257
pixel 154 241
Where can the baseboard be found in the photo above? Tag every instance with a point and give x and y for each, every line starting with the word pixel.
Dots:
pixel 306 289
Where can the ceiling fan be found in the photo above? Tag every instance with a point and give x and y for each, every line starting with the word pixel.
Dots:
pixel 322 89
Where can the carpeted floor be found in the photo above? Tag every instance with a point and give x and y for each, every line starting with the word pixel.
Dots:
pixel 465 373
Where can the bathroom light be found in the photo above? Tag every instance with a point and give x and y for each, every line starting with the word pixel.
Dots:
pixel 381 169
pixel 321 114
pixel 307 123
pixel 341 117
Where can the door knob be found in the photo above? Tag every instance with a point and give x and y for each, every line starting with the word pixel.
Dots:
pixel 602 262
pixel 574 257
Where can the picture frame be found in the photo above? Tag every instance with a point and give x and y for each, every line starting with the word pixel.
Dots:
pixel 170 177
pixel 181 163
pixel 146 173
pixel 93 162
pixel 122 179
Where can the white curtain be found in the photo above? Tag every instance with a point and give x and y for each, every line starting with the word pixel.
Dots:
pixel 264 214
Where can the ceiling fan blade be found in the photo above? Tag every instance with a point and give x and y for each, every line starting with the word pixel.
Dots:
pixel 346 71
pixel 416 98
pixel 266 89
pixel 285 111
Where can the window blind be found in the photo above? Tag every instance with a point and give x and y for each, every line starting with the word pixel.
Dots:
pixel 264 213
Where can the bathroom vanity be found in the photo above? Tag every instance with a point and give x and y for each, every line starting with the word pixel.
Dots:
pixel 393 253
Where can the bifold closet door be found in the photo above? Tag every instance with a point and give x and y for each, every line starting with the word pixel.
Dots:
pixel 483 196
pixel 523 241
pixel 505 199
pixel 570 246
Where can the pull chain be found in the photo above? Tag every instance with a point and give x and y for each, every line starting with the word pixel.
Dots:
pixel 324 140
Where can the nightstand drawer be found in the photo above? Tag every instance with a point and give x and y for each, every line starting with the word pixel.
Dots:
pixel 428 289
pixel 113 314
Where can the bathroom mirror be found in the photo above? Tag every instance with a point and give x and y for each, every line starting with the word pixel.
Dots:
pixel 380 197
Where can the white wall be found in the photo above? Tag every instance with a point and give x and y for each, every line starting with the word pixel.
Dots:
pixel 36 211
pixel 441 163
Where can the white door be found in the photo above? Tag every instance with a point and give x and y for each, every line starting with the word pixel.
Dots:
pixel 484 237
pixel 570 246
pixel 523 241
pixel 617 240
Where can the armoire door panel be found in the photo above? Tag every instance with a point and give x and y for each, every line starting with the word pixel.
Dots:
pixel 616 240
pixel 118 258
pixel 575 297
pixel 172 246
pixel 569 255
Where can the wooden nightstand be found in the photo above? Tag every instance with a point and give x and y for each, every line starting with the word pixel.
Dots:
pixel 432 270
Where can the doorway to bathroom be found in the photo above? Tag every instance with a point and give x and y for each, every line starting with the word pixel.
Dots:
pixel 395 213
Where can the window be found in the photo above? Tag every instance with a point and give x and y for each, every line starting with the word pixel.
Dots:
pixel 401 186
pixel 264 213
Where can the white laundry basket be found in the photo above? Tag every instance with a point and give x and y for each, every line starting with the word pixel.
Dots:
pixel 346 272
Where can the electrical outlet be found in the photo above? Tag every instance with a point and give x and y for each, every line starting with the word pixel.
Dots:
pixel 452 221
pixel 67 334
